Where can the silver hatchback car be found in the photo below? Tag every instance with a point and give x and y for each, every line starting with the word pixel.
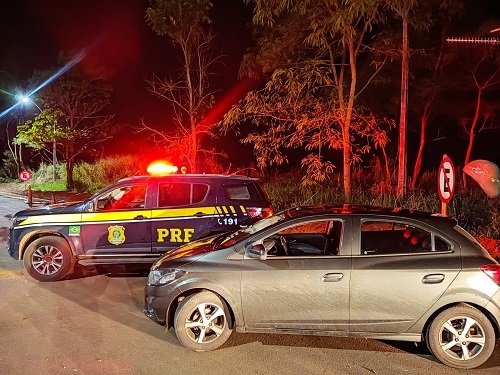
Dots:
pixel 354 271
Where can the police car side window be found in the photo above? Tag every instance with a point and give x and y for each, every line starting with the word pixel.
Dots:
pixel 199 192
pixel 181 194
pixel 123 198
pixel 238 192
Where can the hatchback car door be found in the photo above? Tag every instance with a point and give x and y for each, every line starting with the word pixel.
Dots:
pixel 300 291
pixel 400 271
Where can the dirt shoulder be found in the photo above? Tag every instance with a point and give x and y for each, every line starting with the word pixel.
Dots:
pixel 21 190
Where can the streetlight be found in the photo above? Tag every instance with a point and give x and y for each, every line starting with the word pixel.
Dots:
pixel 25 99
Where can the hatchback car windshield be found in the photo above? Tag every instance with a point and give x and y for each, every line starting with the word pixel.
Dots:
pixel 231 238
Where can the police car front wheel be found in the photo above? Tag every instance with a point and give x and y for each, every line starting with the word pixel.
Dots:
pixel 48 259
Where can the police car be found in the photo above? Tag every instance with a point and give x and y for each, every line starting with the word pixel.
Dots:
pixel 133 221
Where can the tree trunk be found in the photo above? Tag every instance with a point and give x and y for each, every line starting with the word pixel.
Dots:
pixel 472 134
pixel 194 149
pixel 403 113
pixel 70 164
pixel 346 129
pixel 418 161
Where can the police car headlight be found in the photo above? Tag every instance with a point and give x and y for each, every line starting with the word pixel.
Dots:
pixel 163 276
pixel 16 220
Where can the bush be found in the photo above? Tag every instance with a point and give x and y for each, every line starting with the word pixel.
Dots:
pixel 471 207
pixel 91 178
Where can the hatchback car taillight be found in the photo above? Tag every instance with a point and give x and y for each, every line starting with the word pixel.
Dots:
pixel 259 212
pixel 493 271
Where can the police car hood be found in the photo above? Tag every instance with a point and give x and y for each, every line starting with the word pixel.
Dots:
pixel 66 207
pixel 187 253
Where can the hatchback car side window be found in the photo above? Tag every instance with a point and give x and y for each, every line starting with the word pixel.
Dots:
pixel 381 237
pixel 181 194
pixel 312 238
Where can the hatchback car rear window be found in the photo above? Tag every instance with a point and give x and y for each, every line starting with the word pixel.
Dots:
pixel 381 237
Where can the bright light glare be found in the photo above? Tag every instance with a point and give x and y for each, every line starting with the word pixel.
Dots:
pixel 161 167
pixel 24 98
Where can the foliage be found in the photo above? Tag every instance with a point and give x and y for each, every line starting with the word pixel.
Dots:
pixel 104 172
pixel 319 41
pixel 471 207
pixel 10 167
pixel 297 110
pixel 41 131
pixel 42 178
pixel 72 103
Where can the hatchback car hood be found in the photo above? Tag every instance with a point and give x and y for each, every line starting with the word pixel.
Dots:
pixel 189 252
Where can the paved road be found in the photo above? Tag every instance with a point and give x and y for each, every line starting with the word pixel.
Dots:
pixel 93 324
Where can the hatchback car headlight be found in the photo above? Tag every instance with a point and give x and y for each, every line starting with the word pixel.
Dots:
pixel 163 276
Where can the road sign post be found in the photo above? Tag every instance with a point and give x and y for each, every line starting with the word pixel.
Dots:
pixel 446 183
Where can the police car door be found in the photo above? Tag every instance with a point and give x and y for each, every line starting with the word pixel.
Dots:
pixel 182 214
pixel 120 224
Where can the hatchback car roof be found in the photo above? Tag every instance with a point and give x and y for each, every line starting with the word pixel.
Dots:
pixel 348 209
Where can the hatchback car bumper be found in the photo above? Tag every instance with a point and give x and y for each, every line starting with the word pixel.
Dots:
pixel 157 301
pixel 493 308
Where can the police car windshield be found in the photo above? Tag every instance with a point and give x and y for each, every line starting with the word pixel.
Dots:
pixel 229 239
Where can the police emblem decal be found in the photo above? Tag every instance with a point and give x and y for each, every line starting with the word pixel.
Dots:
pixel 116 234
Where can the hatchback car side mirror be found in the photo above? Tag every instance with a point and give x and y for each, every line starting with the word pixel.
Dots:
pixel 256 251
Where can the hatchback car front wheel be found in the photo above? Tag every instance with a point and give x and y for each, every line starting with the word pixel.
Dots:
pixel 461 337
pixel 201 322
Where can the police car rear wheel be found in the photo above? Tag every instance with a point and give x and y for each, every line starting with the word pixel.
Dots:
pixel 48 259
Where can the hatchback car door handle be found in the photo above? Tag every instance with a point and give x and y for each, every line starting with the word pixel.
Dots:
pixel 140 217
pixel 332 277
pixel 198 214
pixel 434 278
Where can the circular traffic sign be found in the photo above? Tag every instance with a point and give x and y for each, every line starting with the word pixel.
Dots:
pixel 25 175
pixel 446 180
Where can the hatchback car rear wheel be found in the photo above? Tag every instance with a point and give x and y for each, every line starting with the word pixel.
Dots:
pixel 48 259
pixel 201 322
pixel 461 337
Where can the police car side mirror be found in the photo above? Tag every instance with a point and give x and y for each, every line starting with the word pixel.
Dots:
pixel 90 206
pixel 256 251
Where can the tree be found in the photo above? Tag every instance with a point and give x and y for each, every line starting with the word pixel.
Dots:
pixel 189 93
pixel 296 110
pixel 403 9
pixel 328 37
pixel 482 67
pixel 72 104
pixel 431 69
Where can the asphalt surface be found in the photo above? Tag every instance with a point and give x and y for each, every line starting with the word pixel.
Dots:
pixel 93 324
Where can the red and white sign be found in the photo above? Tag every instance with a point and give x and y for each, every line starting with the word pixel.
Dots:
pixel 25 175
pixel 446 180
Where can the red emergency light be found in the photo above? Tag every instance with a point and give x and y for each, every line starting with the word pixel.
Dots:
pixel 160 167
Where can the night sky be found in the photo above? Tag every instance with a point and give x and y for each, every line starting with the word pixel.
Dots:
pixel 123 48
